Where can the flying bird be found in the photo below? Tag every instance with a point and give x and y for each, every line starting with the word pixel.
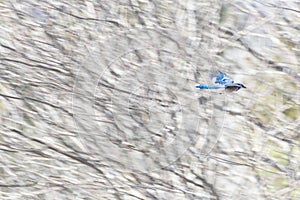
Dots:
pixel 221 80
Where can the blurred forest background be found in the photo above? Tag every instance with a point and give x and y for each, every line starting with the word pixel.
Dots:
pixel 98 99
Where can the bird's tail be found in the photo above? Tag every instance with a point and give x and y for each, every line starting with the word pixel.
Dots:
pixel 202 87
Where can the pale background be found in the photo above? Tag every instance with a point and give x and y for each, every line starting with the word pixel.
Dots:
pixel 98 100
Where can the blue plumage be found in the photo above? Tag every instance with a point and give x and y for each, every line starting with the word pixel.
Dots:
pixel 201 86
pixel 222 81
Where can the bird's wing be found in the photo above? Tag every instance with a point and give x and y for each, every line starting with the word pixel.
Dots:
pixel 221 78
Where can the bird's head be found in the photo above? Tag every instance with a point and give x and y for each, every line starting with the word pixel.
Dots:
pixel 234 87
pixel 240 85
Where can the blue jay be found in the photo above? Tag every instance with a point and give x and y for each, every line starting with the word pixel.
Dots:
pixel 222 81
